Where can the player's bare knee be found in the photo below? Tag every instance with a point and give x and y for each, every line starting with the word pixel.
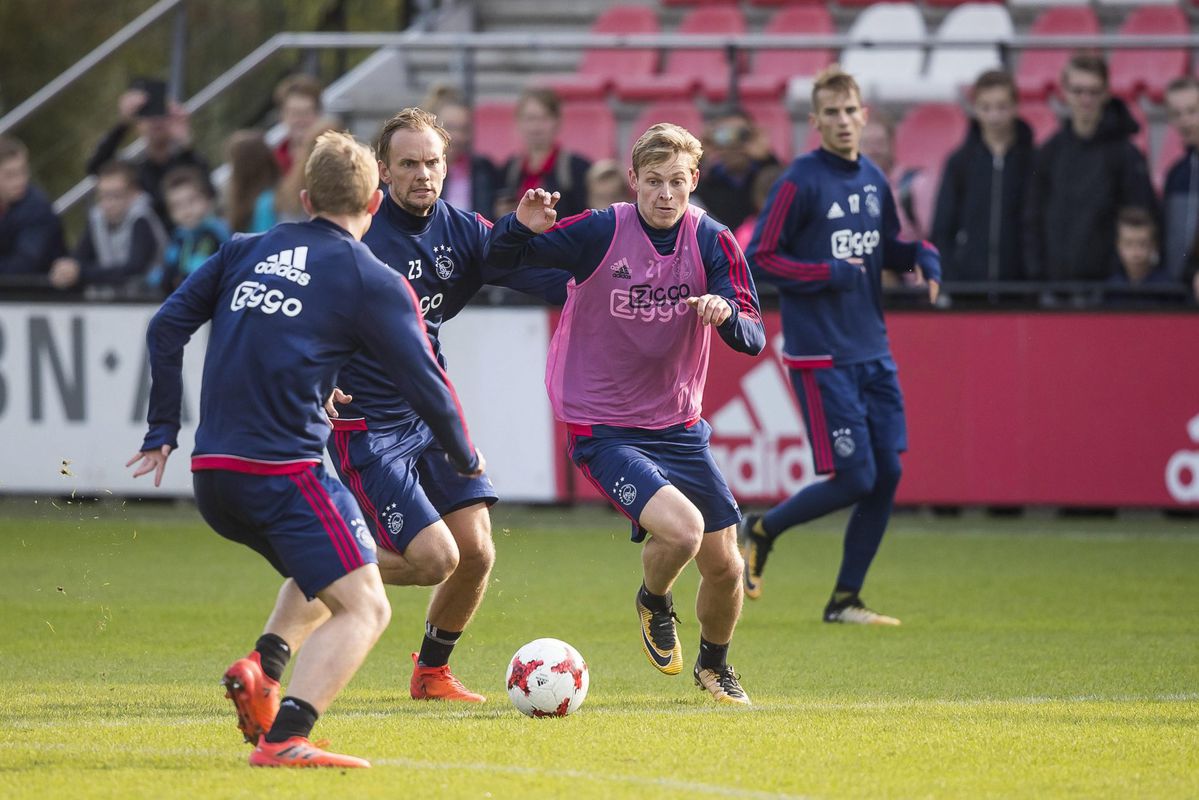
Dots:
pixel 723 571
pixel 476 561
pixel 375 611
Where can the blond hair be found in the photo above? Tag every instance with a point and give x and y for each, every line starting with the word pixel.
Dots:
pixel 833 79
pixel 408 119
pixel 341 174
pixel 662 142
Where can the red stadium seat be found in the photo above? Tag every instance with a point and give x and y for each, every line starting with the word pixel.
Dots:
pixel 495 129
pixel 772 69
pixel 774 120
pixel 1042 119
pixel 951 3
pixel 1039 70
pixel 1141 138
pixel 928 134
pixel 589 129
pixel 859 3
pixel 683 113
pixel 688 70
pixel 699 2
pixel 773 3
pixel 1136 72
pixel 600 67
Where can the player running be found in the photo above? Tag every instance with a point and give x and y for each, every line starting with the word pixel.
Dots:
pixel 827 231
pixel 626 374
pixel 289 308
pixel 431 523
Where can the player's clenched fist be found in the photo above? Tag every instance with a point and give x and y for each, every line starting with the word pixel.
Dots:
pixel 536 210
pixel 712 309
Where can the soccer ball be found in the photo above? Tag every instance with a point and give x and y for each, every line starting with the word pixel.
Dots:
pixel 547 678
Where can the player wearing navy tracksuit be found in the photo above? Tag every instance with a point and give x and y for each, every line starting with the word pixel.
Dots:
pixel 382 450
pixel 827 231
pixel 288 309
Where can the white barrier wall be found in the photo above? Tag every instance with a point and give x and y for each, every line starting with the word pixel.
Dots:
pixel 74 386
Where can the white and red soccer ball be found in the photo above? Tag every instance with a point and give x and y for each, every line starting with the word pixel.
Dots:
pixel 547 678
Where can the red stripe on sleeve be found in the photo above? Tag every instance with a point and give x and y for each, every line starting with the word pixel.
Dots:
pixel 486 222
pixel 738 274
pixel 566 223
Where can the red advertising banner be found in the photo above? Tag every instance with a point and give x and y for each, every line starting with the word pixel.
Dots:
pixel 1003 408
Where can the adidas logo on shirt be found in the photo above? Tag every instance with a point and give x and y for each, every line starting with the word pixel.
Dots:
pixel 834 211
pixel 288 264
pixel 621 270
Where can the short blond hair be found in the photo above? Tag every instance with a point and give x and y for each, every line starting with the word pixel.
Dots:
pixel 341 174
pixel 408 119
pixel 662 142
pixel 833 79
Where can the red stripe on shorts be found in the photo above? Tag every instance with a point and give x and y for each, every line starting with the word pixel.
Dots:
pixel 339 523
pixel 338 546
pixel 341 441
pixel 822 451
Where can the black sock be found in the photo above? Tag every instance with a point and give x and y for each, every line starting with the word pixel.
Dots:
pixel 275 654
pixel 712 656
pixel 295 718
pixel 842 593
pixel 654 602
pixel 436 648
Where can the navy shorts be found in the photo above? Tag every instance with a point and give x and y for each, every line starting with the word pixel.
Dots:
pixel 306 524
pixel 851 411
pixel 402 480
pixel 629 465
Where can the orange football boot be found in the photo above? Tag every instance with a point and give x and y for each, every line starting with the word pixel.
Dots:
pixel 438 683
pixel 255 695
pixel 299 752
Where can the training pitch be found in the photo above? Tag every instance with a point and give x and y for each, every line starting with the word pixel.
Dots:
pixel 1038 657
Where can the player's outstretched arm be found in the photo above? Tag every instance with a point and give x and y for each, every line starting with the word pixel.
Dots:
pixel 392 329
pixel 181 315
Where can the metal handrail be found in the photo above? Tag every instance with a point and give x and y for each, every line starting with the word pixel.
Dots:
pixel 566 40
pixel 83 65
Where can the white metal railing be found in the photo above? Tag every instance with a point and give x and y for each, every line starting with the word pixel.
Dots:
pixel 467 44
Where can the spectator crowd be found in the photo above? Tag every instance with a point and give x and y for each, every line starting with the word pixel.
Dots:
pixel 1079 209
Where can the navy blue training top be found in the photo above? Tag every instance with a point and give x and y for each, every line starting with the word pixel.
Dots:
pixel 443 256
pixel 289 308
pixel 823 211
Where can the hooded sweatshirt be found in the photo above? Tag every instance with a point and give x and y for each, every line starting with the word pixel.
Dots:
pixel 978 226
pixel 1078 186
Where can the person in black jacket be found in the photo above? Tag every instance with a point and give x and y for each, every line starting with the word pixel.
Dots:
pixel 166 129
pixel 1181 193
pixel 977 225
pixel 543 162
pixel 30 231
pixel 1081 178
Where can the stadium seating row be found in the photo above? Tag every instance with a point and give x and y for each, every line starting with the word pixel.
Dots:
pixel 924 137
pixel 900 74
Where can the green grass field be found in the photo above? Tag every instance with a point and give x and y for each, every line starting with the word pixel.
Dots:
pixel 1038 657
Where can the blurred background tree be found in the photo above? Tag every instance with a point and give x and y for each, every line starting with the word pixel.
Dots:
pixel 41 38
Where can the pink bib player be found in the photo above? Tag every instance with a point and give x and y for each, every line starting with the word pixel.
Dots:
pixel 628 350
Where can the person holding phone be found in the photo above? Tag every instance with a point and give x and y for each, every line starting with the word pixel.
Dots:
pixel 164 126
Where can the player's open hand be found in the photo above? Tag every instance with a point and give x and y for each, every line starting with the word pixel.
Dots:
pixel 150 461
pixel 536 210
pixel 712 309
pixel 340 398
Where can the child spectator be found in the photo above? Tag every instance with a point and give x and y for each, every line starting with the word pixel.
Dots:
pixel 198 230
pixel 122 243
pixel 298 99
pixel 1138 265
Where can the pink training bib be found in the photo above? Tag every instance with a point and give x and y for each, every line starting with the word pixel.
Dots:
pixel 628 350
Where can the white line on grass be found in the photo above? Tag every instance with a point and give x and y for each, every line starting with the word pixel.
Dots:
pixel 595 777
pixel 815 705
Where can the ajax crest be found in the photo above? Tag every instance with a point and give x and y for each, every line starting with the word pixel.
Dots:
pixel 443 263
